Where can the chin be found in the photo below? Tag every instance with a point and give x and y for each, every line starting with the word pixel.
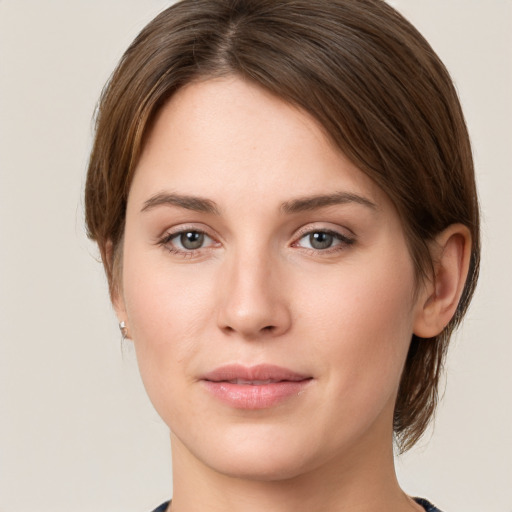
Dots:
pixel 258 453
pixel 261 467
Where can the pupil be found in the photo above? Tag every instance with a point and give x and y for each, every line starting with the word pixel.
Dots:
pixel 320 240
pixel 192 240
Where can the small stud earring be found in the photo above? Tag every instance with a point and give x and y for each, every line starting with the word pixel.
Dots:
pixel 123 329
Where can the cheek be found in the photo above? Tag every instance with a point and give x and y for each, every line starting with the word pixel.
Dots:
pixel 362 321
pixel 167 311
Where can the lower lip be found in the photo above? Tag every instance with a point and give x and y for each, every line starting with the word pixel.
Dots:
pixel 247 396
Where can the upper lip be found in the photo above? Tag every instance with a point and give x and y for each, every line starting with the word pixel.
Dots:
pixel 259 373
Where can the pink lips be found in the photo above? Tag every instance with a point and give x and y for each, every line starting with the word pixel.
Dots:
pixel 256 387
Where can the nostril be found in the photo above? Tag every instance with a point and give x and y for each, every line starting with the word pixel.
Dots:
pixel 267 329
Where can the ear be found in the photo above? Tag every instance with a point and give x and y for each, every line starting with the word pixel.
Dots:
pixel 439 297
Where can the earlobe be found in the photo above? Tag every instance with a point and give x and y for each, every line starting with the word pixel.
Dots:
pixel 451 253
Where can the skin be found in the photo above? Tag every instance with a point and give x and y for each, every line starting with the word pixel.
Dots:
pixel 257 291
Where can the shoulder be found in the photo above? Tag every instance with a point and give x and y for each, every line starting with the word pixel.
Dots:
pixel 425 504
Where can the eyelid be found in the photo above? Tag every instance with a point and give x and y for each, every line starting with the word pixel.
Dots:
pixel 183 228
pixel 177 234
pixel 340 231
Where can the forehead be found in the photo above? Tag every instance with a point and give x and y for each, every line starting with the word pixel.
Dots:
pixel 228 136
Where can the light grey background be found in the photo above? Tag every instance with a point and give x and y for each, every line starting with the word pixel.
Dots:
pixel 76 430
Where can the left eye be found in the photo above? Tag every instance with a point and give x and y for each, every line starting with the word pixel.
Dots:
pixel 321 240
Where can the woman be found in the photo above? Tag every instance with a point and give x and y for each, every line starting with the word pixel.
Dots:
pixel 283 197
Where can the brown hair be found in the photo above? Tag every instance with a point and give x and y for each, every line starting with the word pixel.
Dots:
pixel 360 69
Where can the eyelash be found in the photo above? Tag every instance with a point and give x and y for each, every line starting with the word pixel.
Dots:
pixel 343 242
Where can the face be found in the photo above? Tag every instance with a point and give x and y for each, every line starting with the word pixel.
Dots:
pixel 266 284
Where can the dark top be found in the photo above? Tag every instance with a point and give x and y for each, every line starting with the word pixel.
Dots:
pixel 424 503
pixel 162 507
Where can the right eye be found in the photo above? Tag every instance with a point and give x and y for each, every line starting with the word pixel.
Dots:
pixel 186 241
pixel 190 240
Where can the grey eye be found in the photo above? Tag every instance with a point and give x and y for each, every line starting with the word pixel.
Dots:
pixel 191 240
pixel 320 240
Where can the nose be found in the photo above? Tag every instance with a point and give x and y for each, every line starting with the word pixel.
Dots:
pixel 252 300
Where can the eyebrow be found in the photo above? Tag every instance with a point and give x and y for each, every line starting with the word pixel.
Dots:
pixel 303 204
pixel 197 204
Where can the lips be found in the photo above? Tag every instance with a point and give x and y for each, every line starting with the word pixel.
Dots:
pixel 256 387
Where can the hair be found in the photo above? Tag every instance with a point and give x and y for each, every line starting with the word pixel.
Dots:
pixel 364 73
